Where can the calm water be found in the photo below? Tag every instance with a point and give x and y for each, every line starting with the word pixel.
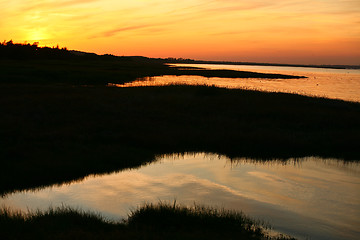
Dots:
pixel 331 83
pixel 309 198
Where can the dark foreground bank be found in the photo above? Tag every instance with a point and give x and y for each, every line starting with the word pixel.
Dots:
pixel 161 221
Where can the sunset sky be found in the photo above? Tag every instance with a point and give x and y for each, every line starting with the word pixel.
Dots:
pixel 283 31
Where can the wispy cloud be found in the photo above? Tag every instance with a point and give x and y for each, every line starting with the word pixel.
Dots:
pixel 112 32
pixel 53 4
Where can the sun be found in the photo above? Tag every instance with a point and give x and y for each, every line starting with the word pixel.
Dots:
pixel 37 35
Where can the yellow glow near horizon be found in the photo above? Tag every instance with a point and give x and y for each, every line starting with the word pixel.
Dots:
pixel 320 32
pixel 37 35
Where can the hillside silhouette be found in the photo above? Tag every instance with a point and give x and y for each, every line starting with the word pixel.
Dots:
pixel 11 50
pixel 60 65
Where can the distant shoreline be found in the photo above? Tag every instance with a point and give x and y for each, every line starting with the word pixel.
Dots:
pixel 190 61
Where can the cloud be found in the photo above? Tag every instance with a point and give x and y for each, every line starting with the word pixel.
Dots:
pixel 114 31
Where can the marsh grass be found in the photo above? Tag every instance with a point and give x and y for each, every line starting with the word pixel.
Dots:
pixel 150 221
pixel 58 223
pixel 176 217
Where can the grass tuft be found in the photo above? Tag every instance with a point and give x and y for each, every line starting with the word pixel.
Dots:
pixel 150 221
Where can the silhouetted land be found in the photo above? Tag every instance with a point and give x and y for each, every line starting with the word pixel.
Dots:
pixel 161 221
pixel 22 63
pixel 192 61
pixel 55 129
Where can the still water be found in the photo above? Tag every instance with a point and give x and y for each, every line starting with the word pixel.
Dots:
pixel 308 198
pixel 331 83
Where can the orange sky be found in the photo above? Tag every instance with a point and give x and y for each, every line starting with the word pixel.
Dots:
pixel 284 31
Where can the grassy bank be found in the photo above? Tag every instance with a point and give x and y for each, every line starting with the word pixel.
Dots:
pixel 55 133
pixel 161 221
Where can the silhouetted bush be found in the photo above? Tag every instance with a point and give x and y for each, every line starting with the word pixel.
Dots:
pixel 11 50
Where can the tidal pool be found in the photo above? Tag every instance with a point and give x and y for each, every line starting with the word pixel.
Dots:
pixel 308 198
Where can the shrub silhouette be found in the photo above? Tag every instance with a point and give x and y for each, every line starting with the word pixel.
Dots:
pixel 11 50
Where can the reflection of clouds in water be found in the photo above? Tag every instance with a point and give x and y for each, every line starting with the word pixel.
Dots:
pixel 311 191
pixel 267 177
pixel 140 186
pixel 129 188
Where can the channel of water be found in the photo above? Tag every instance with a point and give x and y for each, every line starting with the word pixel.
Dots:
pixel 341 84
pixel 310 198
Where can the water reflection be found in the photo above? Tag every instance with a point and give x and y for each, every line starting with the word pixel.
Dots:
pixel 304 197
pixel 331 83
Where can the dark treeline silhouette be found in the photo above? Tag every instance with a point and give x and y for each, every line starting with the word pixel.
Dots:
pixel 11 50
pixel 17 51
